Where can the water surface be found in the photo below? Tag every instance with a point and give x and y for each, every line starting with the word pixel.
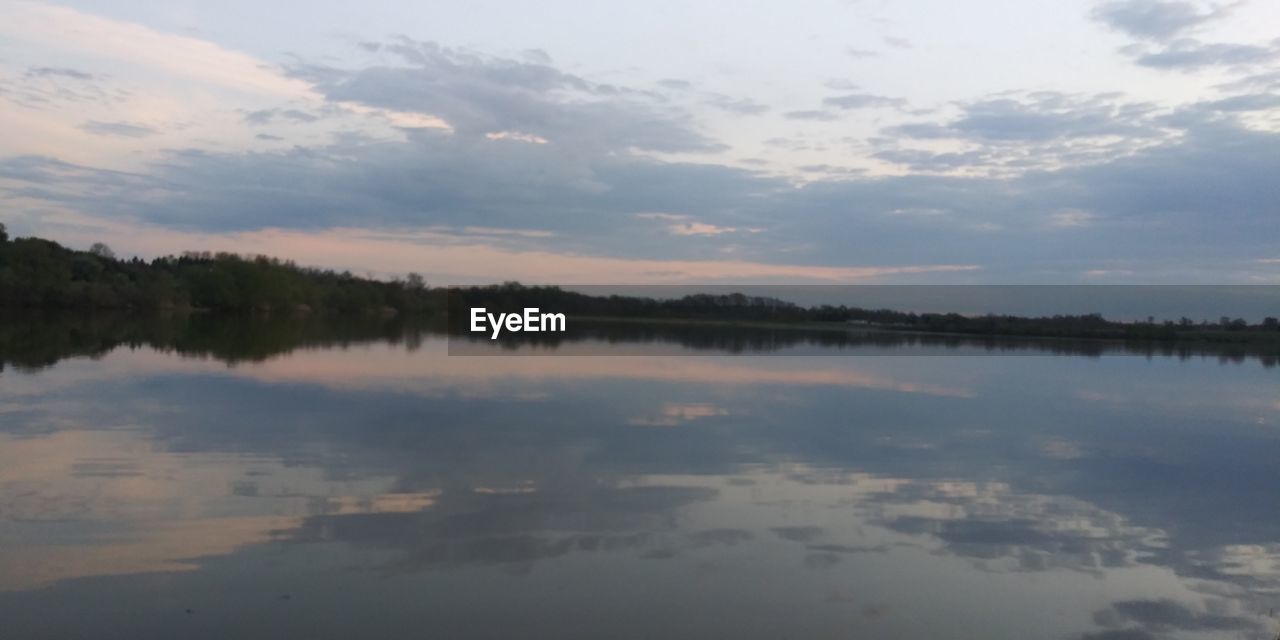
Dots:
pixel 361 483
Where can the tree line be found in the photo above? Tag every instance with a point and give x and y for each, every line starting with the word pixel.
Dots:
pixel 36 273
pixel 39 273
pixel 744 308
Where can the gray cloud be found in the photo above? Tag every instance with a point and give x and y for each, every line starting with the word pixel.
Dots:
pixel 1195 184
pixel 813 114
pixel 1049 115
pixel 64 72
pixel 741 106
pixel 537 56
pixel 1040 116
pixel 478 94
pixel 1245 102
pixel 43 87
pixel 854 52
pixel 1120 634
pixel 1037 130
pixel 1265 81
pixel 863 101
pixel 1190 54
pixel 1168 615
pixel 121 129
pixel 798 534
pixel 675 84
pixel 1201 200
pixel 1157 19
pixel 267 116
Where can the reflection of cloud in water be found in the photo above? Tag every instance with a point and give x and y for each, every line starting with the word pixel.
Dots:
pixel 1167 615
pixel 1009 531
pixel 153 547
pixel 388 367
pixel 798 534
pixel 674 414
pixel 467 528
pixel 1002 530
pixel 97 503
pixel 323 463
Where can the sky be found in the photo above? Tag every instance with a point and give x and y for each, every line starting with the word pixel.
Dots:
pixel 853 141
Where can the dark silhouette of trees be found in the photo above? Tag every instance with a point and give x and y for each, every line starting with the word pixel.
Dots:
pixel 101 250
pixel 41 274
pixel 737 307
pixel 37 273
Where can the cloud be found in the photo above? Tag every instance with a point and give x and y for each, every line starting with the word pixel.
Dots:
pixel 741 106
pixel 1071 219
pixel 1120 634
pixel 1265 81
pixel 699 229
pixel 538 56
pixel 863 101
pixel 1248 102
pixel 63 72
pixel 1040 116
pixel 524 145
pixel 1158 19
pixel 521 233
pixel 1024 131
pixel 121 129
pixel 856 53
pixel 1166 25
pixel 1049 115
pixel 1169 615
pixel 830 169
pixel 1191 54
pixel 267 116
pixel 179 56
pixel 1204 193
pixel 682 225
pixel 477 94
pixel 814 115
pixel 515 136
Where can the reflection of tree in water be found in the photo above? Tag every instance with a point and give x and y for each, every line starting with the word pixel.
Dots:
pixel 33 341
pixel 747 338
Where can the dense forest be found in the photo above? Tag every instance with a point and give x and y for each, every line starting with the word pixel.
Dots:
pixel 39 273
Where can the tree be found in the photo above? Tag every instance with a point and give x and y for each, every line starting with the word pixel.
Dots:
pixel 4 233
pixel 102 251
pixel 415 282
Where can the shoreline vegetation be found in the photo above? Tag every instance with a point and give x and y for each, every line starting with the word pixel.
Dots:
pixel 41 275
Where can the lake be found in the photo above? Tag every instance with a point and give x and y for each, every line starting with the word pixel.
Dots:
pixel 302 480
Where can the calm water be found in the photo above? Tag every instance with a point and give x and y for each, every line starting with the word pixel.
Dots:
pixel 326 487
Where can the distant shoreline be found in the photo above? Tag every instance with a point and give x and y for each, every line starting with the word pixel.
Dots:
pixel 1188 338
